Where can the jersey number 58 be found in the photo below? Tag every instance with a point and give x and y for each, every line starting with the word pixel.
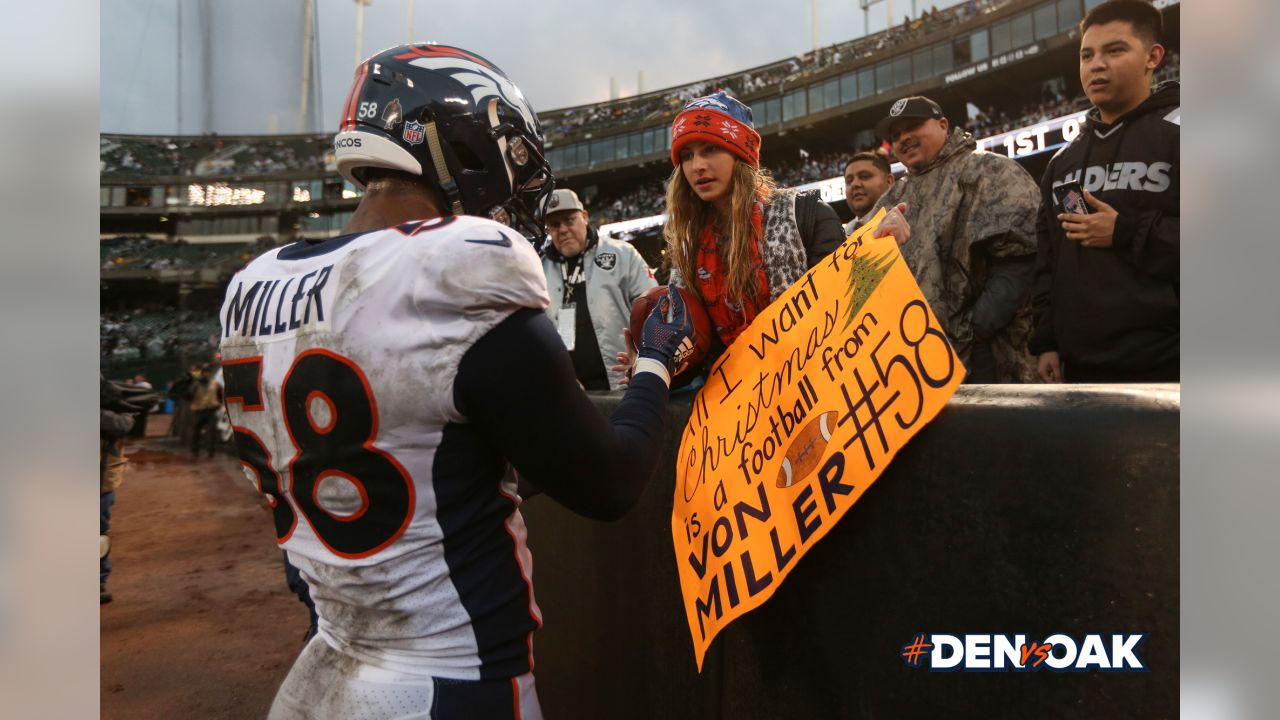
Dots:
pixel 343 447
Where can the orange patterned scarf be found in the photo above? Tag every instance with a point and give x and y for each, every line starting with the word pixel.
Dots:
pixel 730 318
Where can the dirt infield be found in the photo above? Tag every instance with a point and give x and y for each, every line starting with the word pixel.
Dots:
pixel 202 625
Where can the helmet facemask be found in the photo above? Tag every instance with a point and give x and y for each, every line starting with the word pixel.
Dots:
pixel 532 181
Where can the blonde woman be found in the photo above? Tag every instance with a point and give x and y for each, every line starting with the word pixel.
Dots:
pixel 732 235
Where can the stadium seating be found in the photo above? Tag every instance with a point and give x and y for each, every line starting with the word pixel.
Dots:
pixel 566 123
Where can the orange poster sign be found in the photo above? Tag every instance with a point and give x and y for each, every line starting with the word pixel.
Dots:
pixel 797 419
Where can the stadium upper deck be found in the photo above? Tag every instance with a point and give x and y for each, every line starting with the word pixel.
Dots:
pixel 955 49
pixel 951 56
pixel 981 61
pixel 566 124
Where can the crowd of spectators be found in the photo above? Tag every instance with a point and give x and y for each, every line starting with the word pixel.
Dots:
pixel 156 333
pixel 1052 104
pixel 808 168
pixel 142 156
pixel 259 157
pixel 141 253
pixel 649 199
pixel 644 201
pixel 651 106
pixel 216 156
pixel 212 155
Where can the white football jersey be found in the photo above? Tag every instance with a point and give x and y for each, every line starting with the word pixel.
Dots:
pixel 340 359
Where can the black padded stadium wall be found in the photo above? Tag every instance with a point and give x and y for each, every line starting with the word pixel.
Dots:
pixel 1020 509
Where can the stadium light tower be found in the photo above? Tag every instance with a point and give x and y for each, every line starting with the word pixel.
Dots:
pixel 888 15
pixel 813 26
pixel 308 59
pixel 360 27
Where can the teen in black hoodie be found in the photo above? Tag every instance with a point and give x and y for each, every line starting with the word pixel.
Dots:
pixel 1106 303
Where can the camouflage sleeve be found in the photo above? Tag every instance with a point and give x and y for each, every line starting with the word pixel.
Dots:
pixel 1006 206
pixel 888 199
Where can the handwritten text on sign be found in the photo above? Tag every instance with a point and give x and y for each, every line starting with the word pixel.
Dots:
pixel 797 419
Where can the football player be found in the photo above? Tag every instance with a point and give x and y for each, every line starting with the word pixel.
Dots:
pixel 386 385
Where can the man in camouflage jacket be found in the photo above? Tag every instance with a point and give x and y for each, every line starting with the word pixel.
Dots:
pixel 973 245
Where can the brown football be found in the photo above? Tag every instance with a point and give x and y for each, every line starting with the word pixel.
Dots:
pixel 691 357
pixel 807 449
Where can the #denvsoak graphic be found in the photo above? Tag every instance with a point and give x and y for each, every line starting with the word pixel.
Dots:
pixel 942 652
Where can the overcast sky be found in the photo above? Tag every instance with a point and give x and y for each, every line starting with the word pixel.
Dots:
pixel 560 52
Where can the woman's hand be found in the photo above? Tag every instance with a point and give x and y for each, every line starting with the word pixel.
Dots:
pixel 626 360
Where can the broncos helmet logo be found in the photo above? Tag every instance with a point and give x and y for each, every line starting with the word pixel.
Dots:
pixel 481 78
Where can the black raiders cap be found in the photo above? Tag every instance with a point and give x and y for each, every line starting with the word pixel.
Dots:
pixel 916 106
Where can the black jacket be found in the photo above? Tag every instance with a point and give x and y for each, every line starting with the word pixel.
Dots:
pixel 820 228
pixel 1114 307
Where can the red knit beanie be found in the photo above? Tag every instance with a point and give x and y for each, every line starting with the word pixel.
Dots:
pixel 720 120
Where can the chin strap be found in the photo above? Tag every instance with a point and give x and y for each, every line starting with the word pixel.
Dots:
pixel 492 113
pixel 450 188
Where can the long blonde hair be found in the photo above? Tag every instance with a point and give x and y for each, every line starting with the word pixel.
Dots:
pixel 687 215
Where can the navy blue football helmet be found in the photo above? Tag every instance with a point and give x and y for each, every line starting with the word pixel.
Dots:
pixel 453 117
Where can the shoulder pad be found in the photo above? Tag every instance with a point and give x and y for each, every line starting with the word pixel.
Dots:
pixel 477 262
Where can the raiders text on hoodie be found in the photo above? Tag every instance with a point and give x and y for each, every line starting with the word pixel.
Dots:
pixel 1114 309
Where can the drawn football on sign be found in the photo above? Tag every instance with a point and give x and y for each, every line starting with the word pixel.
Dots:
pixel 807 449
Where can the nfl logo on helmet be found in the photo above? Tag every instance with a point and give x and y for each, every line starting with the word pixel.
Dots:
pixel 414 132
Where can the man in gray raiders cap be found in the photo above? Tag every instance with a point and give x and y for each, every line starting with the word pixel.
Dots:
pixel 592 281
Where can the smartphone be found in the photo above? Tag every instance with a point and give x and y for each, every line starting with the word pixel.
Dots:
pixel 1070 197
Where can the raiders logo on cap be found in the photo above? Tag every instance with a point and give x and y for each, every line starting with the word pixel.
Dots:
pixel 564 200
pixel 916 106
